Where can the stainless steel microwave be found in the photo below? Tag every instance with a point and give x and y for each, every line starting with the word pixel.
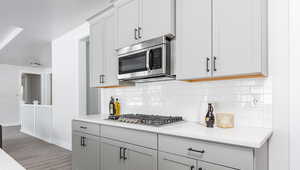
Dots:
pixel 146 60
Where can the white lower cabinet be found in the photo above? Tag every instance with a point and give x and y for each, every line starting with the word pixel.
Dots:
pixel 207 166
pixel 111 158
pixel 117 155
pixel 174 162
pixel 138 158
pixel 170 161
pixel 85 152
pixel 101 147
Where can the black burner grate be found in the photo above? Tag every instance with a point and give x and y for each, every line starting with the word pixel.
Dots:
pixel 153 120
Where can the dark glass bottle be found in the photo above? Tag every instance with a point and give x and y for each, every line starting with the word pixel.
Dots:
pixel 112 106
pixel 210 118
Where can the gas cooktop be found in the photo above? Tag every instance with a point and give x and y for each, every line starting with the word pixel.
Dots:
pixel 153 120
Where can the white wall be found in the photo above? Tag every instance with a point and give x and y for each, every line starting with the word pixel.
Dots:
pixel 65 67
pixel 295 85
pixel 10 92
pixel 279 71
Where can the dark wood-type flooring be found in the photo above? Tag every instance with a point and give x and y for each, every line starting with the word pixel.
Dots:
pixel 35 154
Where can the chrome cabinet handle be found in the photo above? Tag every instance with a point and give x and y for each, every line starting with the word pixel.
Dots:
pixel 192 167
pixel 198 151
pixel 82 141
pixel 148 60
pixel 83 127
pixel 121 155
pixel 215 58
pixel 207 64
pixel 124 153
pixel 135 34
pixel 102 78
pixel 139 32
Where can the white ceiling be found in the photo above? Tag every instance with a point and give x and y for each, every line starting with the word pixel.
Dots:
pixel 42 21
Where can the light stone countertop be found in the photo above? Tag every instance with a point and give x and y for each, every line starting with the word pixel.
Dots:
pixel 8 163
pixel 246 137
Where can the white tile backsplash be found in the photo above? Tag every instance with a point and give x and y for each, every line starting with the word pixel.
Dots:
pixel 249 99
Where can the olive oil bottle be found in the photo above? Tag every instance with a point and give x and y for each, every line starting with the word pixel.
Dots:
pixel 117 107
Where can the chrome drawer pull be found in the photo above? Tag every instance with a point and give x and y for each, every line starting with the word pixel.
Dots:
pixel 207 64
pixel 215 67
pixel 121 155
pixel 124 153
pixel 135 33
pixel 198 151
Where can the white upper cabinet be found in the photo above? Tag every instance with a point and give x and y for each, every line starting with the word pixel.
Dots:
pixel 110 55
pixel 141 20
pixel 238 37
pixel 127 12
pixel 193 39
pixel 96 53
pixel 103 58
pixel 157 18
pixel 221 38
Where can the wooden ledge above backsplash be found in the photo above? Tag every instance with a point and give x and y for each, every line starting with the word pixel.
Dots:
pixel 227 78
pixel 203 80
pixel 107 87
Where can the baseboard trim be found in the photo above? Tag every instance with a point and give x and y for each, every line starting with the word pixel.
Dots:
pixel 10 124
pixel 66 146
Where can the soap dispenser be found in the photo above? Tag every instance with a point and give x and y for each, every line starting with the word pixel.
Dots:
pixel 210 118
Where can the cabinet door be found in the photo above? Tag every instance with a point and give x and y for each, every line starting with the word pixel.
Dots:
pixel 173 162
pixel 127 22
pixel 237 37
pixel 96 53
pixel 208 166
pixel 193 39
pixel 157 18
pixel 137 158
pixel 85 152
pixel 110 157
pixel 109 54
pixel 77 152
pixel 104 62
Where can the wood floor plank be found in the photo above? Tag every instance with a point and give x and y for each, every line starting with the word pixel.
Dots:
pixel 35 154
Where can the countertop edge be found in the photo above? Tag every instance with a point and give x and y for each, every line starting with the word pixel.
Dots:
pixel 253 145
pixel 10 162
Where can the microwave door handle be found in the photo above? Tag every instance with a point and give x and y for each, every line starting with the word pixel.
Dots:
pixel 148 60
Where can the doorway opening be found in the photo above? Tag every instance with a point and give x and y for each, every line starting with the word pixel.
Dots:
pixel 31 85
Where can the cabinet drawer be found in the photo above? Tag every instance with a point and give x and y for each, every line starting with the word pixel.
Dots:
pixel 135 137
pixel 232 156
pixel 84 127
